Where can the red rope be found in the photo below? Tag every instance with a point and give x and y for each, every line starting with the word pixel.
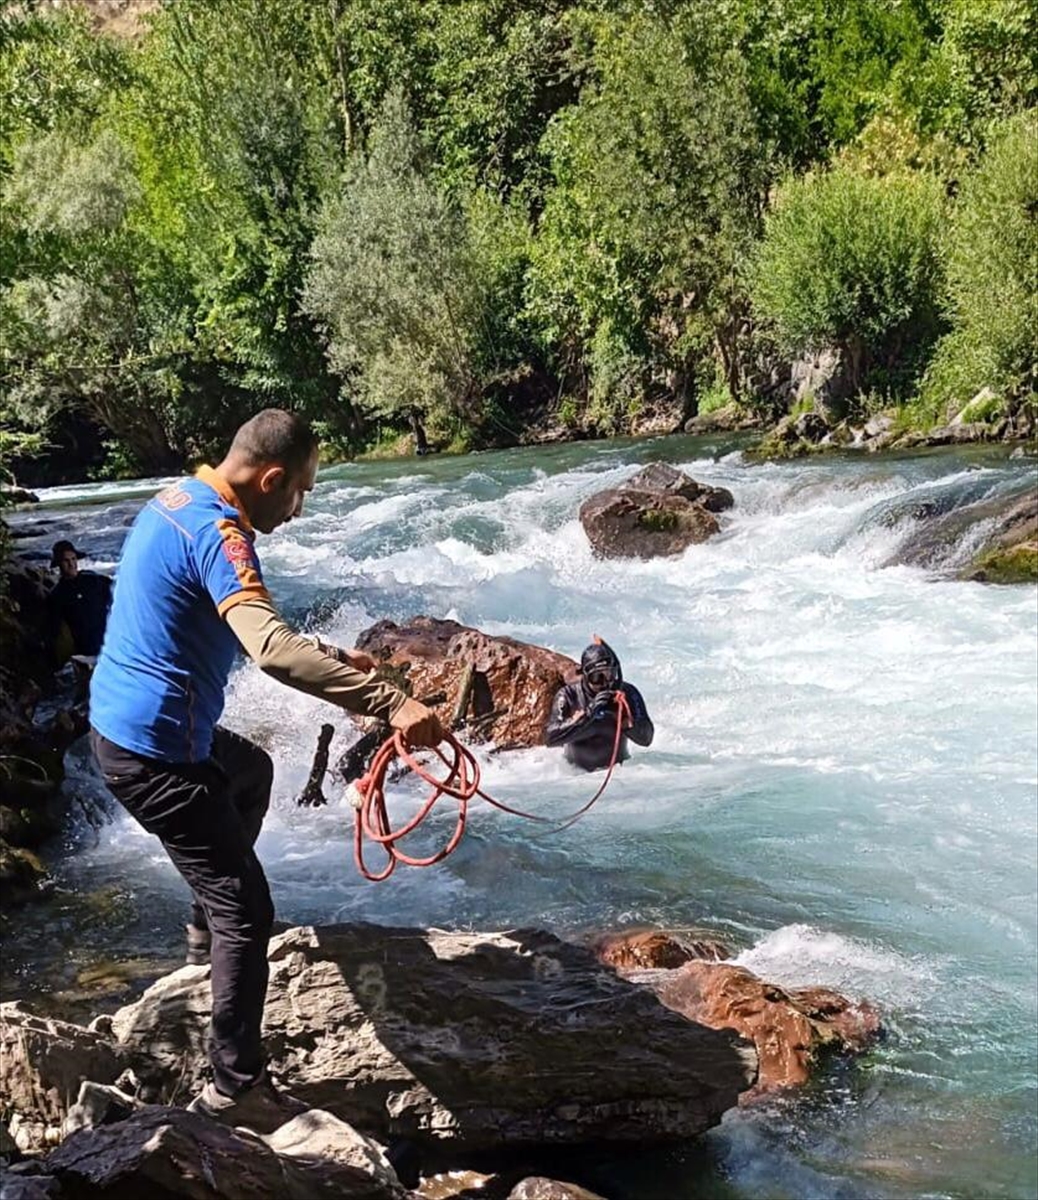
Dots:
pixel 461 783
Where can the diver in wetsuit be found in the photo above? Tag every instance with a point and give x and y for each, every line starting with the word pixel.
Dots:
pixel 583 713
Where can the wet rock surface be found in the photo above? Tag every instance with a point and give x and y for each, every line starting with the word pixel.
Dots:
pixel 490 688
pixel 658 512
pixel 485 1053
pixel 652 948
pixel 477 1040
pixel 792 1029
pixel 1005 531
pixel 414 1033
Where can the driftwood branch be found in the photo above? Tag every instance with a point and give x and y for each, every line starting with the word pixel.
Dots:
pixel 312 796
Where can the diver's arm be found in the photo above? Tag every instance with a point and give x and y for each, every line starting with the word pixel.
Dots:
pixel 294 660
pixel 566 723
pixel 641 731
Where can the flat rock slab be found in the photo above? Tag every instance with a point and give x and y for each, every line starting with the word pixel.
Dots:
pixel 486 1039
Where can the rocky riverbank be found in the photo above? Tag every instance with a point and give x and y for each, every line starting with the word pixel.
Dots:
pixel 454 1047
pixel 33 805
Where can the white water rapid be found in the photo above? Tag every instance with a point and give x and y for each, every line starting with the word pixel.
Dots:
pixel 843 779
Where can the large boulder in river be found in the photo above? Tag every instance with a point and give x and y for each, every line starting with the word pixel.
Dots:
pixel 493 688
pixel 660 511
pixel 482 1039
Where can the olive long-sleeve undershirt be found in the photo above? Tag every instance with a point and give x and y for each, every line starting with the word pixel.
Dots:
pixel 294 660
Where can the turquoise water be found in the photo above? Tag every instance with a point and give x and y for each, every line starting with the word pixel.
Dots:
pixel 843 780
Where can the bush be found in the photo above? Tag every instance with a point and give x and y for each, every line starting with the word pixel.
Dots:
pixel 394 281
pixel 992 269
pixel 852 261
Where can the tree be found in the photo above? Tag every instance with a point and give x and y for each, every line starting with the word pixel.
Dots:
pixel 992 264
pixel 395 283
pixel 657 185
pixel 852 260
pixel 89 322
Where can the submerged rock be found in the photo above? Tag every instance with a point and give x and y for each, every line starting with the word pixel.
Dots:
pixel 1007 551
pixel 491 688
pixel 658 512
pixel 23 876
pixel 1010 553
pixel 650 948
pixel 790 1028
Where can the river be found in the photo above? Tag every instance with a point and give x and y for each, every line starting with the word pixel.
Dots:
pixel 843 780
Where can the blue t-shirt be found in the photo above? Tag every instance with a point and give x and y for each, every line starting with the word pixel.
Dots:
pixel 158 688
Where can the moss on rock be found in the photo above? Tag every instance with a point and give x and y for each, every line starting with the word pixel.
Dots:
pixel 1008 564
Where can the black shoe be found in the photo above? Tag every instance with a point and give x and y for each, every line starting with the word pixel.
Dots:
pixel 199 943
pixel 261 1108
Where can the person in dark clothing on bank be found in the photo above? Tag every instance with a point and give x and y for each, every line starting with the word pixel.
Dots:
pixel 583 713
pixel 80 600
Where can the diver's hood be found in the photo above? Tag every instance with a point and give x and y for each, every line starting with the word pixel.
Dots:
pixel 599 654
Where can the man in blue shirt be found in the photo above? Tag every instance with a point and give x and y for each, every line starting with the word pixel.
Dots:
pixel 189 592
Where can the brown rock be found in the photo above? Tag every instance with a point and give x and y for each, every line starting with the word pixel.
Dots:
pixel 651 948
pixel 660 511
pixel 789 1028
pixel 493 688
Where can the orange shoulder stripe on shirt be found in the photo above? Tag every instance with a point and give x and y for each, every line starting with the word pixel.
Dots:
pixel 225 606
pixel 238 551
pixel 223 489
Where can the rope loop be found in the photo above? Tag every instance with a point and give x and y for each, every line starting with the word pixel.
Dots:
pixel 461 783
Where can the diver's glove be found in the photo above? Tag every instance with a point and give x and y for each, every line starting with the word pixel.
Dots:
pixel 602 708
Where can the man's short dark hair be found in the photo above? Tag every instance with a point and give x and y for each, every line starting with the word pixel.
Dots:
pixel 60 549
pixel 275 436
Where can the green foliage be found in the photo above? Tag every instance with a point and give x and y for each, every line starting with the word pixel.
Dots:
pixel 217 215
pixel 656 175
pixel 395 281
pixel 657 520
pixel 852 261
pixel 82 325
pixel 992 265
pixel 984 68
pixel 244 142
pixel 56 72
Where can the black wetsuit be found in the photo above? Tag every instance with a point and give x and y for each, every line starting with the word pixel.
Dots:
pixel 82 603
pixel 583 719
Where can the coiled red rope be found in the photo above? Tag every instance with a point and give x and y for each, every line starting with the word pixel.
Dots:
pixel 461 783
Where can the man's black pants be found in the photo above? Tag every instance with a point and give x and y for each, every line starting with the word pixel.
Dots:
pixel 208 815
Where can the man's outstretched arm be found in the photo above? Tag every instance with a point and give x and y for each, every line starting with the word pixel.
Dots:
pixel 296 661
